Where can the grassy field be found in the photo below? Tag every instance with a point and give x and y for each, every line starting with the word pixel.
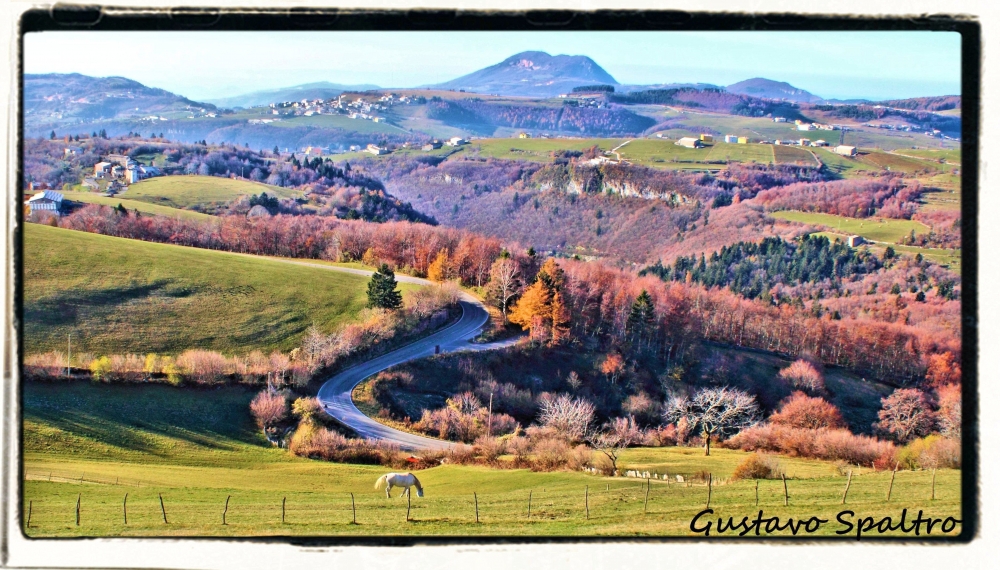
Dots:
pixel 950 156
pixel 785 154
pixel 874 229
pixel 204 191
pixel 117 295
pixel 144 207
pixel 537 150
pixel 196 448
pixel 759 153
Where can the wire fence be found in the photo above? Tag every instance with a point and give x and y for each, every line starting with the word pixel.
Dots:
pixel 97 505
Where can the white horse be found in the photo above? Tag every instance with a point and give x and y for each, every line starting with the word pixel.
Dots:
pixel 406 480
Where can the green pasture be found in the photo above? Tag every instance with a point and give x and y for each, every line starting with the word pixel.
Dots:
pixel 873 229
pixel 141 206
pixel 951 156
pixel 196 448
pixel 730 152
pixel 116 295
pixel 950 259
pixel 784 154
pixel 536 149
pixel 205 191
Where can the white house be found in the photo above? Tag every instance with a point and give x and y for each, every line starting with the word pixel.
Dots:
pixel 456 141
pixel 805 127
pixel 855 241
pixel 101 167
pixel 72 150
pixel 845 150
pixel 780 120
pixel 820 142
pixel 376 150
pixel 732 139
pixel 47 201
pixel 689 142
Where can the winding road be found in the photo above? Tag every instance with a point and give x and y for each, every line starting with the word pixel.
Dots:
pixel 335 394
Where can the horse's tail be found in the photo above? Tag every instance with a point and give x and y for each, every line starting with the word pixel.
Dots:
pixel 379 481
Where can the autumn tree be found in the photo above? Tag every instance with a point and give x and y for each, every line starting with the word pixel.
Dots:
pixel 382 292
pixel 268 408
pixel 803 375
pixel 535 311
pixel 950 410
pixel 942 370
pixel 560 319
pixel 715 412
pixel 505 282
pixel 802 411
pixel 613 366
pixel 905 415
pixel 440 269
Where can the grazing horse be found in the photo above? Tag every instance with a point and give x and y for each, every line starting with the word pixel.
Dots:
pixel 406 480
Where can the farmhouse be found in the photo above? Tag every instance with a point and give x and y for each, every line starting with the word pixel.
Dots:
pixel 456 141
pixel 804 142
pixel 855 241
pixel 46 201
pixel 689 142
pixel 524 135
pixel 101 168
pixel 820 142
pixel 845 150
pixel 431 145
pixel 805 127
pixel 731 139
pixel 376 150
pixel 705 138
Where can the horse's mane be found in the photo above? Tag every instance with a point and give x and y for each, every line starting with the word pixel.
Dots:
pixel 416 481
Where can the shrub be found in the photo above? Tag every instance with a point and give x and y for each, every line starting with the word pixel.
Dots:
pixel 803 375
pixel 644 409
pixel 758 466
pixel 549 454
pixel 489 449
pixel 307 409
pixel 931 452
pixel 317 443
pixel 204 366
pixel 568 416
pixel 269 408
pixel 802 411
pixel 829 444
pixel 905 415
pixel 950 411
pixel 661 437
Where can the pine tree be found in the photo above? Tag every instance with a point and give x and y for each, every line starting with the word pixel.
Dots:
pixel 640 318
pixel 52 136
pixel 382 292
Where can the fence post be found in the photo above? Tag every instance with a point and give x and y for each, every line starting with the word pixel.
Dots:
pixel 125 508
pixel 709 501
pixel 408 505
pixel 891 481
pixel 843 500
pixel 586 500
pixel 476 499
pixel 226 510
pixel 28 524
pixel 78 510
pixel 529 504
pixel 354 512
pixel 756 492
pixel 784 484
pixel 162 509
pixel 646 500
pixel 933 481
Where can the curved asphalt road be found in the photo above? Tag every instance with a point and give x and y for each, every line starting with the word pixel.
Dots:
pixel 335 394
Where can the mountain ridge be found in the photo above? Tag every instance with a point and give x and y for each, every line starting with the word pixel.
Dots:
pixel 532 74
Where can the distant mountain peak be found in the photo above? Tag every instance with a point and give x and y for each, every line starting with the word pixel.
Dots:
pixel 533 74
pixel 771 89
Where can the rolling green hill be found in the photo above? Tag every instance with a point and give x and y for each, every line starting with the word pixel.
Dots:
pixel 118 295
pixel 199 192
pixel 141 206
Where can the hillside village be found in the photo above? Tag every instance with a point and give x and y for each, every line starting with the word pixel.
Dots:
pixel 113 174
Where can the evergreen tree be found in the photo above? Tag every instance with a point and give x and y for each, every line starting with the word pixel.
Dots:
pixel 382 292
pixel 640 318
pixel 52 136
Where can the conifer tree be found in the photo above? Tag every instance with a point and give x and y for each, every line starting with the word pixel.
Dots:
pixel 382 292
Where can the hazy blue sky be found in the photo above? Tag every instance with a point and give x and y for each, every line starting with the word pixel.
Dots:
pixel 203 65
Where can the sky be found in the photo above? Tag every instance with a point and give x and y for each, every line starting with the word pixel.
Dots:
pixel 206 65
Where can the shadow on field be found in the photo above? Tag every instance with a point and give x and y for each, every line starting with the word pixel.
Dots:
pixel 62 308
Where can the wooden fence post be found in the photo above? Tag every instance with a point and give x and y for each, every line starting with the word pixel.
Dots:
pixel 476 499
pixel 891 481
pixel 354 512
pixel 933 481
pixel 586 500
pixel 407 505
pixel 756 492
pixel 646 500
pixel 709 501
pixel 162 509
pixel 785 485
pixel 283 510
pixel 78 510
pixel 28 524
pixel 125 508
pixel 843 500
pixel 529 504
pixel 226 510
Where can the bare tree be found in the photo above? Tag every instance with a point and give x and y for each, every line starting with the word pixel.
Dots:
pixel 615 436
pixel 505 281
pixel 570 417
pixel 714 412
pixel 906 414
pixel 269 408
